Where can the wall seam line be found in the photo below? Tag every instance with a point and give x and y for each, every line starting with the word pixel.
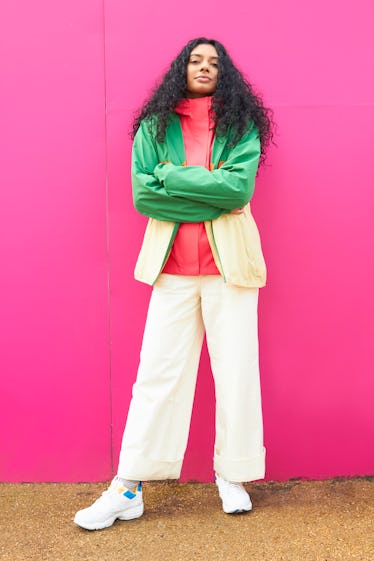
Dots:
pixel 107 241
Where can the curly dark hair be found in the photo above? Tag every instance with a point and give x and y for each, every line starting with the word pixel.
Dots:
pixel 234 103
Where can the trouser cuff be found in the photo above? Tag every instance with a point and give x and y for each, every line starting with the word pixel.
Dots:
pixel 146 469
pixel 248 469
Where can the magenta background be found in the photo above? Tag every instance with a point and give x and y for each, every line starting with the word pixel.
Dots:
pixel 71 314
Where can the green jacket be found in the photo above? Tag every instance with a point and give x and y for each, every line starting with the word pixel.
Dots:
pixel 169 193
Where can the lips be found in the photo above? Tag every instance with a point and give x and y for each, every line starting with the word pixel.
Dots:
pixel 203 79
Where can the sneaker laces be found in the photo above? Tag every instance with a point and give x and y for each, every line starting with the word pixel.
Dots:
pixel 114 489
pixel 230 487
pixel 234 488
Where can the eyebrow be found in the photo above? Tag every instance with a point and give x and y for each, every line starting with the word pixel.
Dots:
pixel 211 57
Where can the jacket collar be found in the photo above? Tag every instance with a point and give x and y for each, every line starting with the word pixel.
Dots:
pixel 175 144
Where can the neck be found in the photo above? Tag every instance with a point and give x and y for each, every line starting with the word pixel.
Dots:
pixel 196 95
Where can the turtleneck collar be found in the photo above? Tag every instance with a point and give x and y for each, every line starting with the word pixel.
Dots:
pixel 196 107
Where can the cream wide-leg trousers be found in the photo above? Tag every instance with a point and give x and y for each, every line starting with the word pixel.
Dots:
pixel 155 437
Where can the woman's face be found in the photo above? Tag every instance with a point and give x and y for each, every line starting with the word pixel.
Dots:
pixel 202 71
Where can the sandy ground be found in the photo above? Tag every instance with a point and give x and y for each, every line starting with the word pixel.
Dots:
pixel 292 521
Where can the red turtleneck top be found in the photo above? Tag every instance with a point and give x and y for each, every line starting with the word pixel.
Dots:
pixel 191 253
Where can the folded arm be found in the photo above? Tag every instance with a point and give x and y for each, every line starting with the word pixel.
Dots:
pixel 150 196
pixel 229 187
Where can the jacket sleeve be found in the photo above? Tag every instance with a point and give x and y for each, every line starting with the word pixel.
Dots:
pixel 229 187
pixel 149 194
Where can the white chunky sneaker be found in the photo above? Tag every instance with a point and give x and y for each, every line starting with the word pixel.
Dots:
pixel 234 497
pixel 116 502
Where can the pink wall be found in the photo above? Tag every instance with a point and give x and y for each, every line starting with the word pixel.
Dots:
pixel 55 394
pixel 73 76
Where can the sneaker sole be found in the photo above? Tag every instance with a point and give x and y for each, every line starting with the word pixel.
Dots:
pixel 129 514
pixel 238 511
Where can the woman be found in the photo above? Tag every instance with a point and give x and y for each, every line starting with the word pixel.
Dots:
pixel 198 142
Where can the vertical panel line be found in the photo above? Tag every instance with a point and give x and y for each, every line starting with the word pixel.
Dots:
pixel 107 239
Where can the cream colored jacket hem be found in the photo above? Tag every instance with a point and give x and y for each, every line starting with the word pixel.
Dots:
pixel 233 238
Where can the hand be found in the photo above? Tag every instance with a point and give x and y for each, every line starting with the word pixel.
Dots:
pixel 237 211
